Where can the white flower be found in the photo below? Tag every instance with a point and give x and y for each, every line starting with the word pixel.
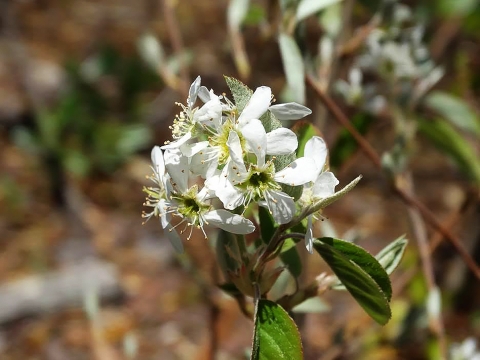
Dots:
pixel 238 184
pixel 323 184
pixel 467 350
pixel 190 204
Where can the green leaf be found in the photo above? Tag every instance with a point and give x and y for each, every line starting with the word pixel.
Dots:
pixel 446 138
pixel 455 110
pixel 267 224
pixel 346 146
pixel 293 66
pixel 292 260
pixel 228 253
pixel 361 286
pixel 276 336
pixel 305 131
pixel 363 259
pixel 241 93
pixel 389 257
pixel 310 7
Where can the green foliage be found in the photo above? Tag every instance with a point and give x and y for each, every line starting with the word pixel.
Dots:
pixel 454 110
pixel 445 137
pixel 276 336
pixel 240 92
pixel 346 145
pixel 359 274
pixel 293 66
pixel 389 257
pixel 81 132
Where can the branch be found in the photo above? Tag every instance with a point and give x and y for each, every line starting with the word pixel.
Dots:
pixel 410 200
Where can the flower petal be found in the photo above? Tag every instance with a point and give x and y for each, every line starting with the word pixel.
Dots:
pixel 204 163
pixel 316 148
pixel 254 133
pixel 309 234
pixel 174 238
pixel 281 141
pixel 191 149
pixel 210 113
pixel 177 143
pixel 280 205
pixel 227 221
pixel 177 167
pixel 193 92
pixel 158 163
pixel 298 172
pixel 325 185
pixel 289 111
pixel 236 155
pixel 257 105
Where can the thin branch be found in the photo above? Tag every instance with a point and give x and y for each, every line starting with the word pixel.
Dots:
pixel 436 323
pixel 365 146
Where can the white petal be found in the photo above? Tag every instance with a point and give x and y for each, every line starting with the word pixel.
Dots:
pixel 227 221
pixel 281 205
pixel 256 138
pixel 298 172
pixel 210 113
pixel 158 163
pixel 289 111
pixel 191 149
pixel 204 94
pixel 204 163
pixel 309 235
pixel 177 166
pixel 162 207
pixel 236 153
pixel 316 149
pixel 177 143
pixel 281 141
pixel 229 195
pixel 192 93
pixel 257 105
pixel 325 185
pixel 174 239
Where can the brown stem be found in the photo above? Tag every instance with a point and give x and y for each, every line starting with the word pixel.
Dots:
pixel 410 200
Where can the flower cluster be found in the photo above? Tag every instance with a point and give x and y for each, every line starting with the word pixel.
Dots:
pixel 222 159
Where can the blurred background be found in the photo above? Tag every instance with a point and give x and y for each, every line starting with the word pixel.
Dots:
pixel 88 87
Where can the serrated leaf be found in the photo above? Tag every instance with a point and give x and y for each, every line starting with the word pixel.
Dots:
pixel 455 110
pixel 241 93
pixel 310 7
pixel 389 257
pixel 363 259
pixel 446 138
pixel 361 286
pixel 293 66
pixel 276 336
